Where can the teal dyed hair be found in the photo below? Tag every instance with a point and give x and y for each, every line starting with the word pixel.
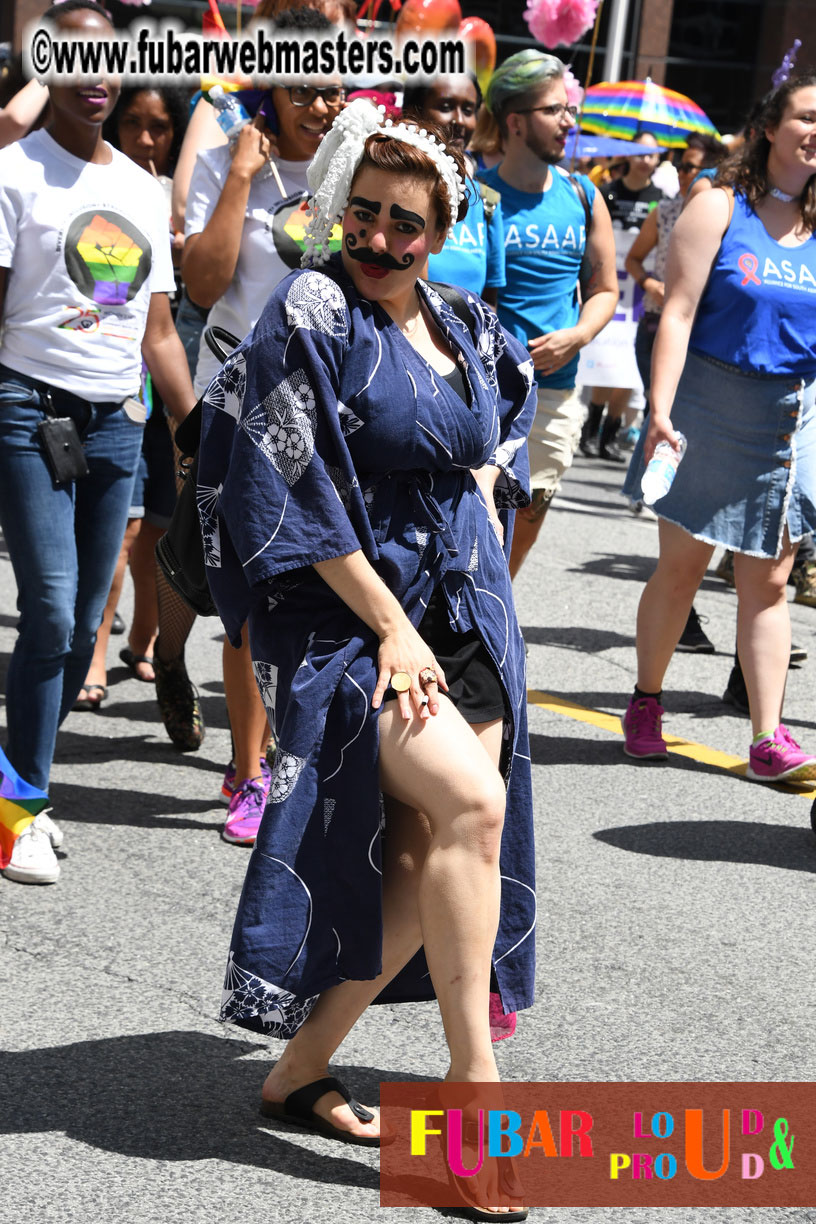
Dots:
pixel 525 71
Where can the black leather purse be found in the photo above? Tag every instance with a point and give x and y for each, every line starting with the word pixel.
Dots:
pixel 180 551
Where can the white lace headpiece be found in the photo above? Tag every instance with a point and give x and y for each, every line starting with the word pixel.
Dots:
pixel 341 150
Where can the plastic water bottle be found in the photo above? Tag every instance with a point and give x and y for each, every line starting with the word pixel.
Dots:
pixel 230 114
pixel 658 477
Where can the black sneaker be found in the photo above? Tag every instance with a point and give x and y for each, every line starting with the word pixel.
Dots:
pixel 693 639
pixel 736 694
pixel 798 655
pixel 179 706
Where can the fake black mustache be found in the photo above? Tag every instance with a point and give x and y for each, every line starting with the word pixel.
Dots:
pixel 364 255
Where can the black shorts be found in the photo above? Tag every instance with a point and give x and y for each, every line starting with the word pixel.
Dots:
pixel 474 686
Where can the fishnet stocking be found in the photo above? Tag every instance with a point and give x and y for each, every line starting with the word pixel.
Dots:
pixel 176 620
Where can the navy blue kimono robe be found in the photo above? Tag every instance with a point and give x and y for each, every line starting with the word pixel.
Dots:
pixel 326 432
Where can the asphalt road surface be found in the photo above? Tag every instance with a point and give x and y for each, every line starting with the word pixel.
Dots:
pixel 675 939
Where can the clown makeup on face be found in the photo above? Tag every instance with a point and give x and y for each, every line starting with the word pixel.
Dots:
pixel 389 228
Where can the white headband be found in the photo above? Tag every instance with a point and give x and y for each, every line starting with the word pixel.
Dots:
pixel 341 150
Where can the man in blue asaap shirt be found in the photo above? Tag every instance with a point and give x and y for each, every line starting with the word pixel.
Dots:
pixel 544 241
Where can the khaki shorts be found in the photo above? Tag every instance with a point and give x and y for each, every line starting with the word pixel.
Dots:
pixel 554 437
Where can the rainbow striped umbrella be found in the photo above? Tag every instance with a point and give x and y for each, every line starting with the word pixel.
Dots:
pixel 19 804
pixel 620 108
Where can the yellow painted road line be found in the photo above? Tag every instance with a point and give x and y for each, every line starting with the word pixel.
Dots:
pixel 611 722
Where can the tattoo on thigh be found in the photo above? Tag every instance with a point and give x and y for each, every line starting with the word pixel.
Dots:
pixel 539 506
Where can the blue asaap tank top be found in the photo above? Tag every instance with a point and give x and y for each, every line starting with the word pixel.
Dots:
pixel 758 310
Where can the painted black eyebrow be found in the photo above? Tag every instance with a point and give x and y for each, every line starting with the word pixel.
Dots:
pixel 402 214
pixel 373 206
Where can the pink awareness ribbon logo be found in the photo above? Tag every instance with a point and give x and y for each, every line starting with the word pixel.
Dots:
pixel 748 264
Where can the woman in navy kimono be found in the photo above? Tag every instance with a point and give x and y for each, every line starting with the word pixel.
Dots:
pixel 355 448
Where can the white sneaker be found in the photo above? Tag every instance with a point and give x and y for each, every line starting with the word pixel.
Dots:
pixel 55 835
pixel 33 860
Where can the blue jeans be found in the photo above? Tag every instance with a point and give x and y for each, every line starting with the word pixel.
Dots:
pixel 63 541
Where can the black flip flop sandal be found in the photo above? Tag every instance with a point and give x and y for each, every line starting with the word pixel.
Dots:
pixel 86 702
pixel 130 660
pixel 298 1110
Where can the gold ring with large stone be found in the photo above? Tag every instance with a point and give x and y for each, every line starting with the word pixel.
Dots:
pixel 428 676
pixel 400 682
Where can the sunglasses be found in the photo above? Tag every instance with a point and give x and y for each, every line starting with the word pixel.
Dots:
pixel 687 167
pixel 304 95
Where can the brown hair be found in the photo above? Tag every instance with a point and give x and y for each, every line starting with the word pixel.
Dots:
pixel 747 170
pixel 384 152
pixel 487 138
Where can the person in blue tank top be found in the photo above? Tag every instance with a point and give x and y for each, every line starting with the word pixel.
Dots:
pixel 473 254
pixel 545 238
pixel 734 370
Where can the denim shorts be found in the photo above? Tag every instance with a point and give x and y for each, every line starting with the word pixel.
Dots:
pixel 750 466
pixel 154 494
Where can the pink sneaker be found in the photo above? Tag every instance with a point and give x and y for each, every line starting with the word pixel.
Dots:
pixel 641 727
pixel 778 758
pixel 245 811
pixel 228 785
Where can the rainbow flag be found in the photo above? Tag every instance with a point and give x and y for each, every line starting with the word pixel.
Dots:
pixel 19 804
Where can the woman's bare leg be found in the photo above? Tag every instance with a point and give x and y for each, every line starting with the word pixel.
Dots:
pixel 763 632
pixel 435 862
pixel 248 721
pixel 666 601
pixel 526 527
pixel 98 670
pixel 144 626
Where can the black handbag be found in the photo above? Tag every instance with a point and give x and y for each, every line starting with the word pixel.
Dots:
pixel 180 551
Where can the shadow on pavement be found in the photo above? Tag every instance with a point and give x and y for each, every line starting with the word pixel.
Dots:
pixel 213 708
pixel 576 749
pixel 172 1096
pixel 629 567
pixel 76 749
pixel 142 810
pixel 718 841
pixel 613 508
pixel 675 701
pixel 584 639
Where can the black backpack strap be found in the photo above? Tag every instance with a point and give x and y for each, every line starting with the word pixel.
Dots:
pixel 578 188
pixel 457 303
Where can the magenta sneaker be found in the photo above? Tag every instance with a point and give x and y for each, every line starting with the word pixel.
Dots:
pixel 245 811
pixel 641 729
pixel 778 758
pixel 228 785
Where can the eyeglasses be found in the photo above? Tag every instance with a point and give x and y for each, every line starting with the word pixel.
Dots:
pixel 553 110
pixel 304 95
pixel 687 167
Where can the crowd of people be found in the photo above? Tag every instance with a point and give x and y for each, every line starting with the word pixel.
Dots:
pixel 404 293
